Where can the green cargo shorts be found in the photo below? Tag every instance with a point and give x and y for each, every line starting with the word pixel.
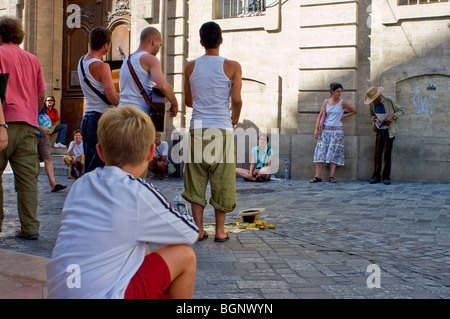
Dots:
pixel 211 158
pixel 22 155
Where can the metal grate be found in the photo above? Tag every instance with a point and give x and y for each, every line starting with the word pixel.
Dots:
pixel 414 2
pixel 240 8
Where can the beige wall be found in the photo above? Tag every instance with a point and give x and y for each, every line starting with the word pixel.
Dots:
pixel 43 22
pixel 410 59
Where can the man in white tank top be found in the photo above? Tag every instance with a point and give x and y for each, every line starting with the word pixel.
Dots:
pixel 98 73
pixel 148 70
pixel 211 82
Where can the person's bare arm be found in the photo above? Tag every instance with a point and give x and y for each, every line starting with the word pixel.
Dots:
pixel 187 85
pixel 316 128
pixel 234 71
pixel 152 64
pixel 41 98
pixel 351 110
pixel 3 132
pixel 71 152
pixel 102 72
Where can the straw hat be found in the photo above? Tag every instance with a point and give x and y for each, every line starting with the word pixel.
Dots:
pixel 372 93
pixel 251 215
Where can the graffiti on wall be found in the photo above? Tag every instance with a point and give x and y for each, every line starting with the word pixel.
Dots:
pixel 424 105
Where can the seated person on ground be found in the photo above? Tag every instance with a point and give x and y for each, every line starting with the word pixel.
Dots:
pixel 111 215
pixel 260 163
pixel 75 156
pixel 58 128
pixel 158 166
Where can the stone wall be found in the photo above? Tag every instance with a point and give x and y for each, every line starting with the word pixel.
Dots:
pixel 410 59
pixel 43 22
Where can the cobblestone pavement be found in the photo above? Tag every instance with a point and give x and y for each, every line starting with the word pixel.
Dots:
pixel 325 240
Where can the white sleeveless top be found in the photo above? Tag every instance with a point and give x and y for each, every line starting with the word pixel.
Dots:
pixel 93 101
pixel 334 114
pixel 129 92
pixel 211 91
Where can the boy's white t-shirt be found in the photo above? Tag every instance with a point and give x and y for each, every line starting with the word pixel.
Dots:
pixel 108 218
pixel 78 149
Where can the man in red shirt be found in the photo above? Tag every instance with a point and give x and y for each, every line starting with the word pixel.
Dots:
pixel 58 128
pixel 25 94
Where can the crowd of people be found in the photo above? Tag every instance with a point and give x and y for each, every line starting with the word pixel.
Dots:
pixel 106 234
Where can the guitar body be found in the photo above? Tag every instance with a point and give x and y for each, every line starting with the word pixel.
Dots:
pixel 115 77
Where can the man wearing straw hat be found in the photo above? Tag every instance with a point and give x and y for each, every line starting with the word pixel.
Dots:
pixel 384 112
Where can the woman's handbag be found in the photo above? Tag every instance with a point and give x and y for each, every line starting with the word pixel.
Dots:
pixel 156 101
pixel 322 120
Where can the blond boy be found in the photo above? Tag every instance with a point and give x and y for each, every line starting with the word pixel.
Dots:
pixel 109 217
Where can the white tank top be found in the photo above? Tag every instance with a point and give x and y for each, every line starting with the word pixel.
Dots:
pixel 211 91
pixel 93 101
pixel 129 92
pixel 334 114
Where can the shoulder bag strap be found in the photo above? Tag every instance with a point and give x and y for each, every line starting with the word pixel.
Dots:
pixel 99 94
pixel 266 155
pixel 138 83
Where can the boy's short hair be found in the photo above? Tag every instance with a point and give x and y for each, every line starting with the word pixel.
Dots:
pixel 210 35
pixel 77 131
pixel 99 37
pixel 125 135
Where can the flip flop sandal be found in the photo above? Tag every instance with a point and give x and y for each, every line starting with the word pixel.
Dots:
pixel 205 235
pixel 315 180
pixel 332 180
pixel 221 240
pixel 58 187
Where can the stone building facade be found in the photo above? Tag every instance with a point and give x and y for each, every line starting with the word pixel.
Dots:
pixel 290 52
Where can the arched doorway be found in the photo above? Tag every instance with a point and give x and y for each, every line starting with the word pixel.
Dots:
pixel 112 14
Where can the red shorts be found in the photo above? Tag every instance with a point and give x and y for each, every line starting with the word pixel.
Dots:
pixel 151 280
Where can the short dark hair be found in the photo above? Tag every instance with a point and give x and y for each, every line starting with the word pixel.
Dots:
pixel 335 86
pixel 210 35
pixel 11 30
pixel 99 37
pixel 77 131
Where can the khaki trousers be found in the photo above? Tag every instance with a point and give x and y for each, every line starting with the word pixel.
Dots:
pixel 22 155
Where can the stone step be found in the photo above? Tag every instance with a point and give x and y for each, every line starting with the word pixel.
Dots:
pixel 59 168
pixel 22 276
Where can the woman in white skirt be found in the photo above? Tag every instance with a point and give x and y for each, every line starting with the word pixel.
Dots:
pixel 330 134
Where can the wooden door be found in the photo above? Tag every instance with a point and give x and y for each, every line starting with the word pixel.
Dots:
pixel 111 14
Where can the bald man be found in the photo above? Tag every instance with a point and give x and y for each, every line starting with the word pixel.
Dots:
pixel 148 70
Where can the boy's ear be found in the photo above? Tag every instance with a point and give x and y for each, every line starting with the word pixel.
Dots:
pixel 150 153
pixel 100 151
